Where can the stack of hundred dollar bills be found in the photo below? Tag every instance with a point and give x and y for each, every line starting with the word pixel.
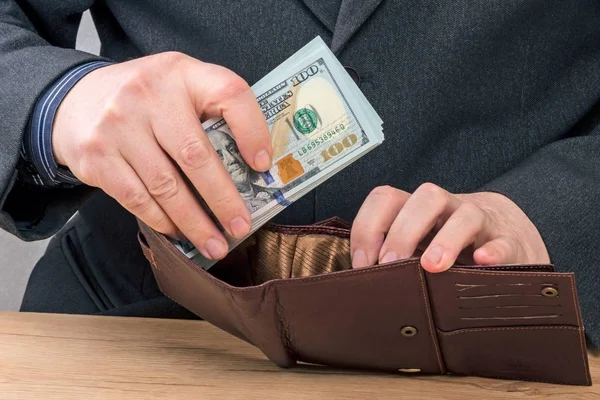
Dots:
pixel 320 122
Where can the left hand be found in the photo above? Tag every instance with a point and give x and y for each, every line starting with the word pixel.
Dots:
pixel 481 228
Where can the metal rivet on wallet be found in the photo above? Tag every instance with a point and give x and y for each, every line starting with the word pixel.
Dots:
pixel 408 331
pixel 549 292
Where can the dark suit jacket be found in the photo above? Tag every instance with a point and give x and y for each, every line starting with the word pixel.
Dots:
pixel 498 95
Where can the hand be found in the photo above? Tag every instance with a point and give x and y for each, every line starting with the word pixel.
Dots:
pixel 130 129
pixel 481 228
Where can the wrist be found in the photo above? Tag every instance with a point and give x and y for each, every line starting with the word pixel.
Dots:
pixel 67 117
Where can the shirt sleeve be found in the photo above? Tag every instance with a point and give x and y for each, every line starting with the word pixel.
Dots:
pixel 39 166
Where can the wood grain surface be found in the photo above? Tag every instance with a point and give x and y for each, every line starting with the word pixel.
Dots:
pixel 63 357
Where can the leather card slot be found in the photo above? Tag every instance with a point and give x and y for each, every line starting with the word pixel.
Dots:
pixel 545 353
pixel 470 299
pixel 325 229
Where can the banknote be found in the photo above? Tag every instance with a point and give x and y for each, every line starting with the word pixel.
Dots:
pixel 319 122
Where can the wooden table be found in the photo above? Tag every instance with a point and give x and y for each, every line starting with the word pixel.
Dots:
pixel 80 357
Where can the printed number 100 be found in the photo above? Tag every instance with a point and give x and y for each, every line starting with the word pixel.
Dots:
pixel 338 148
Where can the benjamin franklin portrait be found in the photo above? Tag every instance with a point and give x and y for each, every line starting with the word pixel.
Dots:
pixel 243 176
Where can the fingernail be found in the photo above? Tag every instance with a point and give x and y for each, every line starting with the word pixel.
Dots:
pixel 388 257
pixel 216 249
pixel 262 160
pixel 359 259
pixel 239 227
pixel 434 254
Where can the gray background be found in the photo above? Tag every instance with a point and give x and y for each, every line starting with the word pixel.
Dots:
pixel 16 257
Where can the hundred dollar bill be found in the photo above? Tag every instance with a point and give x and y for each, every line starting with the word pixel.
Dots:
pixel 319 123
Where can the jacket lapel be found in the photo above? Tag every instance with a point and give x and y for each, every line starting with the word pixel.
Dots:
pixel 325 10
pixel 353 13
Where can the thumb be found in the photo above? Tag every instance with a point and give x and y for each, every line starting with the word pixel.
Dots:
pixel 502 250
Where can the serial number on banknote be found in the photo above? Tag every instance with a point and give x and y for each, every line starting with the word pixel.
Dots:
pixel 330 134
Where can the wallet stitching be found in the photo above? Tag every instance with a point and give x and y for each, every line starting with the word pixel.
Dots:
pixel 505 328
pixel 581 338
pixel 310 230
pixel 347 272
pixel 483 268
pixel 285 334
pixel 548 275
pixel 146 249
pixel 153 259
pixel 429 320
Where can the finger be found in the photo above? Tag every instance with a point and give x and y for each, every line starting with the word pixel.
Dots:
pixel 166 187
pixel 459 231
pixel 373 220
pixel 502 250
pixel 416 219
pixel 179 133
pixel 228 95
pixel 120 181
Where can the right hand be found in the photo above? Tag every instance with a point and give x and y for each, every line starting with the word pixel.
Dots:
pixel 125 127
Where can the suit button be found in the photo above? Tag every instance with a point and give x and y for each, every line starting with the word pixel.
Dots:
pixel 353 74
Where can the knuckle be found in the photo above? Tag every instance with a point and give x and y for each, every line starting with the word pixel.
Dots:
pixel 200 231
pixel 230 86
pixel 434 195
pixel 162 224
pixel 385 190
pixel 93 144
pixel 135 200
pixel 225 202
pixel 136 85
pixel 163 187
pixel 112 114
pixel 432 190
pixel 171 59
pixel 193 155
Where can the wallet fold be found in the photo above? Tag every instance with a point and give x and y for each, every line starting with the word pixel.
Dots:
pixel 291 292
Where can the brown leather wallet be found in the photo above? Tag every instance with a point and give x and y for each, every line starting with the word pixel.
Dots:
pixel 291 292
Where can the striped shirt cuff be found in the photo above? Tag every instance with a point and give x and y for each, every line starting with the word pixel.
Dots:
pixel 36 150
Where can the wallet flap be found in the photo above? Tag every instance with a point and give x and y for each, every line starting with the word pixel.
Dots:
pixel 247 313
pixel 375 318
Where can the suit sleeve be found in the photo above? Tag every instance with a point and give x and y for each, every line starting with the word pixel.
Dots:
pixel 37 40
pixel 559 189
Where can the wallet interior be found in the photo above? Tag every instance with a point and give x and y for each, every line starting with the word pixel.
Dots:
pixel 275 254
